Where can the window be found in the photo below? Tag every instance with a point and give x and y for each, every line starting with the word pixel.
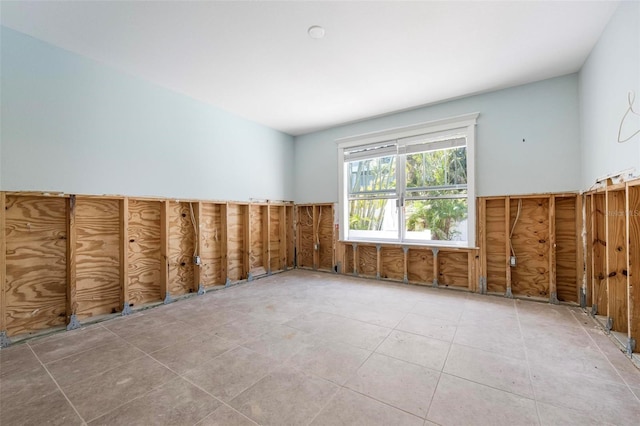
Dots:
pixel 410 185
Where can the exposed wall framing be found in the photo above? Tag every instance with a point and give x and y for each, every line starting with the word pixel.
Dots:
pixel 315 237
pixel 612 256
pixel 433 266
pixel 68 258
pixel 543 232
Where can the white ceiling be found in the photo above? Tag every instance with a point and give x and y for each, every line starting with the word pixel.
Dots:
pixel 256 60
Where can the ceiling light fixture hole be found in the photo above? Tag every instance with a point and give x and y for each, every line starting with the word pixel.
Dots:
pixel 316 31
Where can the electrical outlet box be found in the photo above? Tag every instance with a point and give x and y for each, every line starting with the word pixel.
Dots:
pixel 196 260
pixel 512 261
pixel 316 247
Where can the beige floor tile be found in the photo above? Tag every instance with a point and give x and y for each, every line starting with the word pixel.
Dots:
pixel 333 361
pixel 162 335
pixel 17 358
pixel 358 311
pixel 349 408
pixel 424 351
pixel 586 395
pixel 506 342
pixel 241 331
pixel 226 416
pixel 281 343
pixel 461 402
pixel 429 327
pixel 26 386
pixel 406 386
pixel 176 402
pixel 100 394
pixel 78 367
pixel 231 373
pixel 188 355
pixel 284 397
pixel 73 342
pixel 551 415
pixel 356 333
pixel 52 409
pixel 449 311
pixel 140 322
pixel 491 369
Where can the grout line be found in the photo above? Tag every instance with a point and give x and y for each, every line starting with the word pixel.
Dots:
pixel 528 364
pixel 610 363
pixel 84 422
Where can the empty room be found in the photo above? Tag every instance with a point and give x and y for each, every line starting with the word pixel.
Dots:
pixel 320 213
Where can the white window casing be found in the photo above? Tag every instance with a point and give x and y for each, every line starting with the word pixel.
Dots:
pixel 447 133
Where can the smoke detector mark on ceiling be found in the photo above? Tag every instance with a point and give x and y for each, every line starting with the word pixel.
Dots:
pixel 316 31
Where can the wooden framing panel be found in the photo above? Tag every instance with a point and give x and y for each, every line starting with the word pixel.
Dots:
pixel 348 265
pixel 324 229
pixel 72 295
pixel 124 254
pixel 567 244
pixel 144 252
pixel 211 254
pixel 305 236
pixel 290 236
pixel 453 269
pixel 236 249
pixel 531 245
pixel 617 260
pixel 633 212
pixel 599 269
pixel 257 218
pixel 392 263
pixel 3 264
pixel 367 261
pixel 36 270
pixel 420 266
pixel 496 239
pixel 98 256
pixel 278 238
pixel 181 249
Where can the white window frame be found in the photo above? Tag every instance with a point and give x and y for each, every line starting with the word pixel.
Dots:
pixel 403 137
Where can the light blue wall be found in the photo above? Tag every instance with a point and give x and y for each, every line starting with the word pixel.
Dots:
pixel 612 70
pixel 74 125
pixel 545 114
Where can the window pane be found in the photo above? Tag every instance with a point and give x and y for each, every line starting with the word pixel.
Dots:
pixel 437 168
pixel 372 175
pixel 444 219
pixel 379 215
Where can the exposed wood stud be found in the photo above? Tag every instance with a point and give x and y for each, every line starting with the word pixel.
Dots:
pixel 553 291
pixel 224 262
pixel 405 268
pixel 3 272
pixel 482 239
pixel 355 259
pixel 436 266
pixel 198 285
pixel 165 293
pixel 378 261
pixel 507 233
pixel 314 233
pixel 266 234
pixel 124 256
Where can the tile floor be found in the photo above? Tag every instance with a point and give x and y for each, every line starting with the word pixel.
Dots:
pixel 303 348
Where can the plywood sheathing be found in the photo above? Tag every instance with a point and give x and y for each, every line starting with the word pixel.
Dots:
pixel 143 246
pixel 92 256
pixel 35 289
